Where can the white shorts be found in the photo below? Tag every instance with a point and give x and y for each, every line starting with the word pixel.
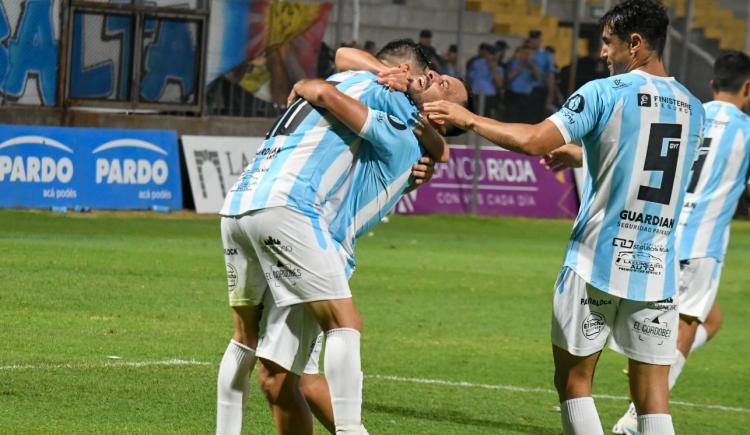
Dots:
pixel 288 336
pixel 699 283
pixel 583 316
pixel 282 250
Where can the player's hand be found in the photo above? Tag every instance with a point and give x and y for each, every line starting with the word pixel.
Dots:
pixel 423 170
pixel 567 156
pixel 450 112
pixel 307 89
pixel 395 79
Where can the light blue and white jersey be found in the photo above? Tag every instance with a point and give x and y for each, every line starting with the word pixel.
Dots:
pixel 640 134
pixel 382 172
pixel 308 153
pixel 720 174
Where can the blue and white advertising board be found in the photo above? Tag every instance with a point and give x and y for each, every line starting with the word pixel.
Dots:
pixel 43 167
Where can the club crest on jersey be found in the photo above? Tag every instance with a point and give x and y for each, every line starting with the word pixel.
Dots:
pixel 576 103
pixel 644 100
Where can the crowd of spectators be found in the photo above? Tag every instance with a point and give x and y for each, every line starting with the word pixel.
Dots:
pixel 523 87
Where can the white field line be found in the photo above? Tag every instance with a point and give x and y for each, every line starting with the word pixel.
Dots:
pixel 86 366
pixel 440 382
pixel 539 390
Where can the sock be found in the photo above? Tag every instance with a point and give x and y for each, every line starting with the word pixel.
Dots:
pixel 232 387
pixel 676 369
pixel 655 424
pixel 701 337
pixel 579 417
pixel 344 374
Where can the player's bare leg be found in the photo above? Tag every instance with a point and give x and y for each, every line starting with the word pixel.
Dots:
pixel 342 324
pixel 649 390
pixel 686 335
pixel 234 371
pixel 318 397
pixel 708 329
pixel 574 377
pixel 290 411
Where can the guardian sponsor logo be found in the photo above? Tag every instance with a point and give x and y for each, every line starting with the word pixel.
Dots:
pixel 16 166
pixel 138 171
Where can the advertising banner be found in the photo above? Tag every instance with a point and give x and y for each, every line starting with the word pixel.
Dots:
pixel 214 163
pixel 43 167
pixel 509 184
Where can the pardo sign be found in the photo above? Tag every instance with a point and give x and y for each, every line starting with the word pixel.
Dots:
pixel 130 170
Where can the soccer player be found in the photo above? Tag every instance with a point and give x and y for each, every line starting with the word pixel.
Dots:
pixel 343 227
pixel 640 131
pixel 719 177
pixel 274 223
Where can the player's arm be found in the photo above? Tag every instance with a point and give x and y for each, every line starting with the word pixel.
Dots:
pixel 578 117
pixel 534 140
pixel 354 114
pixel 348 58
pixel 567 156
pixel 346 109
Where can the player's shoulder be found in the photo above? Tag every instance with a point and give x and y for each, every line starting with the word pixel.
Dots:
pixel 727 115
pixel 349 76
pixel 612 88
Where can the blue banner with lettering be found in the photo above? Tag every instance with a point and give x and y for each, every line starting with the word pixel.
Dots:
pixel 29 50
pixel 44 167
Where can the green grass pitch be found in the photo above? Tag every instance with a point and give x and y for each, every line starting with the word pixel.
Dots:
pixel 456 339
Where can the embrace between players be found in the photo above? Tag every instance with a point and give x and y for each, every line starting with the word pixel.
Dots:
pixel 345 150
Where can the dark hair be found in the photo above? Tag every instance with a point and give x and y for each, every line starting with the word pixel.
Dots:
pixel 426 33
pixel 646 17
pixel 731 70
pixel 453 48
pixel 403 49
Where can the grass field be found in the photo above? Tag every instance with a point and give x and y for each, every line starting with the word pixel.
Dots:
pixel 456 341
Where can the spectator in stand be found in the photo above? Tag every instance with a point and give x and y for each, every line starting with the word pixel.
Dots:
pixel 485 77
pixel 425 44
pixel 557 98
pixel 541 97
pixel 522 76
pixel 502 48
pixel 588 68
pixel 370 47
pixel 450 66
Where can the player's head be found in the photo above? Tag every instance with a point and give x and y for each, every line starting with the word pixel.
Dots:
pixel 633 32
pixel 732 75
pixel 435 87
pixel 404 52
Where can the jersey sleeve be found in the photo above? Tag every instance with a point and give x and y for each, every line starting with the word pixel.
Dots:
pixel 388 134
pixel 580 114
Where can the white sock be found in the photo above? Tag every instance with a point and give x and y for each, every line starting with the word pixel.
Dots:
pixel 232 387
pixel 676 369
pixel 701 337
pixel 344 374
pixel 655 424
pixel 579 417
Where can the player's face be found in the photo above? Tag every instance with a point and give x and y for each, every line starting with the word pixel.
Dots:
pixel 615 52
pixel 434 87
